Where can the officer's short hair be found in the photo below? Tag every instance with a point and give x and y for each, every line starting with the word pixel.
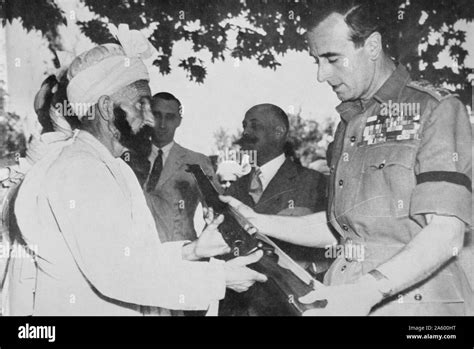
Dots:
pixel 360 16
pixel 169 97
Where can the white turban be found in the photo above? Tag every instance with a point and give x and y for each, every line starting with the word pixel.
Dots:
pixel 106 69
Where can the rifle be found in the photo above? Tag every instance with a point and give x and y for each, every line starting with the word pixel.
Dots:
pixel 284 275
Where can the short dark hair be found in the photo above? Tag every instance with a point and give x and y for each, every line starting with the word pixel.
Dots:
pixel 169 97
pixel 360 16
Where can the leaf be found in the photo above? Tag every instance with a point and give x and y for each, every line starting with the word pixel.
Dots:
pixel 194 68
pixel 272 29
pixel 163 63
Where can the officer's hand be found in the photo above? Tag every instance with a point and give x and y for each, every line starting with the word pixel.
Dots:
pixel 238 277
pixel 348 299
pixel 209 216
pixel 256 219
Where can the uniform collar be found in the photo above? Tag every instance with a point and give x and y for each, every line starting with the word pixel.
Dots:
pixel 350 108
pixel 390 90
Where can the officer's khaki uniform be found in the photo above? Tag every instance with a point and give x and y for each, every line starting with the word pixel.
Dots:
pixel 387 172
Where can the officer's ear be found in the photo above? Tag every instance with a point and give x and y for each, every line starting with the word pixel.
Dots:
pixel 373 46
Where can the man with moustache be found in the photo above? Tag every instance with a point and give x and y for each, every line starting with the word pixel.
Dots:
pixel 400 183
pixel 276 185
pixel 84 219
pixel 171 192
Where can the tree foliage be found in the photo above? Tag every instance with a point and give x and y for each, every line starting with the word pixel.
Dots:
pixel 270 28
pixel 309 138
pixel 223 140
pixel 12 139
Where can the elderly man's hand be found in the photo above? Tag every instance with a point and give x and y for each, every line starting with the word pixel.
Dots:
pixel 210 243
pixel 349 299
pixel 240 278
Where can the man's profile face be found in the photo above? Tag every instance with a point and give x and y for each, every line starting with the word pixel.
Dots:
pixel 259 132
pixel 135 101
pixel 133 117
pixel 167 119
pixel 347 69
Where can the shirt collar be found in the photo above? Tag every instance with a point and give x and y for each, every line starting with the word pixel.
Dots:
pixel 350 108
pixel 166 150
pixel 270 169
pixel 390 90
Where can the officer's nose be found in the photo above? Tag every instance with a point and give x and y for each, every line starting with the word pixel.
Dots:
pixel 323 72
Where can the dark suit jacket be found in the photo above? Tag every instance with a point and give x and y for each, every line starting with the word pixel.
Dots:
pixel 293 191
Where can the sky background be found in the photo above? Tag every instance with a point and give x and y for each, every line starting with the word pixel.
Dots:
pixel 230 87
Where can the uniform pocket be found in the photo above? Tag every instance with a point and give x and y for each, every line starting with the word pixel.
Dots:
pixel 382 157
pixel 388 178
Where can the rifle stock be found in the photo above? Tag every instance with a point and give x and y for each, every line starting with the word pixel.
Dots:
pixel 285 276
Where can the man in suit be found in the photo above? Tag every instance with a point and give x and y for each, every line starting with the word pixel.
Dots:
pixel 277 185
pixel 171 192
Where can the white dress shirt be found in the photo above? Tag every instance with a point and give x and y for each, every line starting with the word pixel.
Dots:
pixel 154 153
pixel 270 169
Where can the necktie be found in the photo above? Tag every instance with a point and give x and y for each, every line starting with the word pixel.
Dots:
pixel 256 186
pixel 155 172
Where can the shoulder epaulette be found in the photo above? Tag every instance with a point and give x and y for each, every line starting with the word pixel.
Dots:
pixel 439 93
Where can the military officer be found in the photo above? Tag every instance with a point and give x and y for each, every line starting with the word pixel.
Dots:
pixel 400 182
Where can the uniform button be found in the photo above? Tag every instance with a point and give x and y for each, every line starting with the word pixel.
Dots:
pixel 341 182
pixel 381 166
pixel 353 139
pixel 418 297
pixel 345 227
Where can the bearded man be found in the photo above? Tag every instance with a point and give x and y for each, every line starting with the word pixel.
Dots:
pixel 84 220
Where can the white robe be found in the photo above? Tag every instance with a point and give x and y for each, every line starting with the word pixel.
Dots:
pixel 98 250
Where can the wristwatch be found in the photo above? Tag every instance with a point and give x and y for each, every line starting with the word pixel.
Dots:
pixel 384 286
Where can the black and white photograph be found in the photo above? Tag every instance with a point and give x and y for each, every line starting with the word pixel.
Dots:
pixel 237 158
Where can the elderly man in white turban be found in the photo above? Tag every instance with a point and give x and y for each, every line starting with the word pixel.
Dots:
pixel 82 213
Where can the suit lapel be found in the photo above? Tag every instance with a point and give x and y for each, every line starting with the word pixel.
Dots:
pixel 240 190
pixel 280 183
pixel 172 164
